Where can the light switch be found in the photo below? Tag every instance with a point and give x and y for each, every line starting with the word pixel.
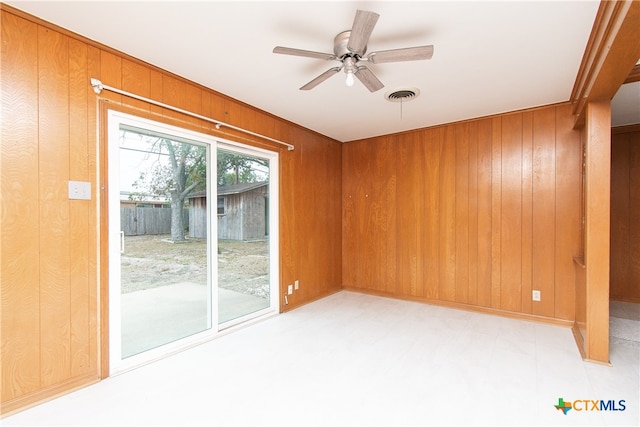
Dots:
pixel 79 190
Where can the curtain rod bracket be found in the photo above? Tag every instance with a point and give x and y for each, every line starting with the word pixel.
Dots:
pixel 98 87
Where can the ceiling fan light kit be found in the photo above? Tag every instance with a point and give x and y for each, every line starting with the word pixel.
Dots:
pixel 349 48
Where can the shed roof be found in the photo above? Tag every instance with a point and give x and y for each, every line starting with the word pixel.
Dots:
pixel 225 190
pixel 243 187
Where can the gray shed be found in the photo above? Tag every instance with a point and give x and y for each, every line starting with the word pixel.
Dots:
pixel 242 212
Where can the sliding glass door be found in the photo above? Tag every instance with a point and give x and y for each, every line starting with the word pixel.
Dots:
pixel 243 195
pixel 183 268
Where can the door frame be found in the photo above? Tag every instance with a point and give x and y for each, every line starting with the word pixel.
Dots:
pixel 106 110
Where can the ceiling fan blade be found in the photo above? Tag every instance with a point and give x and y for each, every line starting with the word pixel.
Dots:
pixel 361 30
pixel 368 79
pixel 305 53
pixel 322 77
pixel 398 55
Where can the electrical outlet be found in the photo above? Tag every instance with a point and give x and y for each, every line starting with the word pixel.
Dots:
pixel 296 285
pixel 289 289
pixel 535 295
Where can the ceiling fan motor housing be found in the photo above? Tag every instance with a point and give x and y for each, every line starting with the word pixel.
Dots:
pixel 340 46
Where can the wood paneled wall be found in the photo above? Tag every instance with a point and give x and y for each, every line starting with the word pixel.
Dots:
pixel 50 245
pixel 625 214
pixel 478 213
pixel 48 249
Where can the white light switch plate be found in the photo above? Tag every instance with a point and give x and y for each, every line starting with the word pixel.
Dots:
pixel 79 190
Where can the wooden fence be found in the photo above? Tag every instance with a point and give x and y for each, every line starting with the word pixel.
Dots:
pixel 141 221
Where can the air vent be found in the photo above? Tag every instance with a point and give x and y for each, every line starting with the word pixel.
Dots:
pixel 402 95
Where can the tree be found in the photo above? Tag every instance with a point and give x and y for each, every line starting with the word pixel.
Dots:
pixel 185 173
pixel 236 168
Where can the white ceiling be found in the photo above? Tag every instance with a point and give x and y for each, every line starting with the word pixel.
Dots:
pixel 490 57
pixel 625 106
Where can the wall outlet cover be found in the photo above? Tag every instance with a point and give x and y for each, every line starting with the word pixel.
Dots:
pixel 535 295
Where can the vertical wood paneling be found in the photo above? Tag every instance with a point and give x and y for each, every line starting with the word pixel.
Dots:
pixel 319 269
pixel 633 285
pixel 180 94
pixel 620 232
pixel 544 230
pixel 492 214
pixel 474 235
pixel 79 232
pixel 447 290
pixel 111 74
pixel 136 78
pixel 496 211
pixel 289 261
pixel 527 209
pixel 432 149
pixel 485 235
pixel 568 166
pixel 625 215
pixel 156 90
pixel 240 115
pixel 352 223
pixel 20 220
pixel 511 214
pixel 93 69
pixel 53 168
pixel 369 227
pixel 462 213
pixel 382 215
pixel 410 210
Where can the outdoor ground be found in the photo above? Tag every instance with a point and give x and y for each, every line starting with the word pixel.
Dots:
pixel 153 261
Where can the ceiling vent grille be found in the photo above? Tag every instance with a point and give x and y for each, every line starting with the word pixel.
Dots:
pixel 402 95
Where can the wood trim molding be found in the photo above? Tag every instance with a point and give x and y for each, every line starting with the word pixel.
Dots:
pixel 103 238
pixel 577 336
pixel 597 229
pixel 611 53
pixel 632 300
pixel 467 307
pixel 39 396
pixel 471 120
pixel 625 129
pixel 634 75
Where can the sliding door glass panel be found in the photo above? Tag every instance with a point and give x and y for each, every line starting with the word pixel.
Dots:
pixel 244 285
pixel 164 261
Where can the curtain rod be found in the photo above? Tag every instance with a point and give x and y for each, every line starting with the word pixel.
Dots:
pixel 98 86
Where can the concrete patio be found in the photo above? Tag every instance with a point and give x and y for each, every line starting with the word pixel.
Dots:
pixel 153 317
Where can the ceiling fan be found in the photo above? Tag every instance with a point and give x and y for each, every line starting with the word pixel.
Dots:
pixel 349 48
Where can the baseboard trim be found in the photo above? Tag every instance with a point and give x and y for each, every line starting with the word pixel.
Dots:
pixel 577 336
pixel 467 307
pixel 295 304
pixel 633 300
pixel 42 395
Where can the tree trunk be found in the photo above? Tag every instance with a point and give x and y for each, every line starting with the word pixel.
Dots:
pixel 177 219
